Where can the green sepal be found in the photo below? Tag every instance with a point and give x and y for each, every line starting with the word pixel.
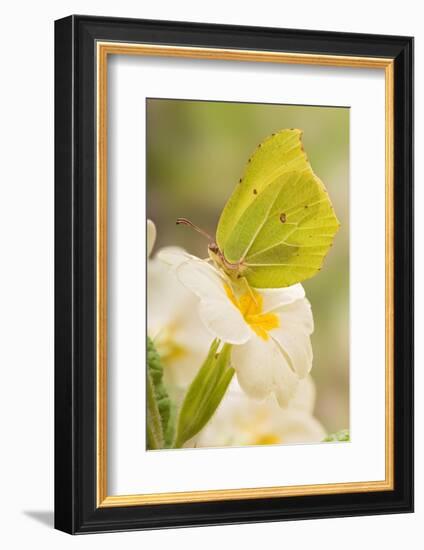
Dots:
pixel 205 393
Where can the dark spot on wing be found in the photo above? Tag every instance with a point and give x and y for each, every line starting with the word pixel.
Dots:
pixel 282 218
pixel 255 191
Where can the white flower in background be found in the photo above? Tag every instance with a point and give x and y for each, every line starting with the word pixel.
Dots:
pixel 241 421
pixel 172 320
pixel 151 236
pixel 269 328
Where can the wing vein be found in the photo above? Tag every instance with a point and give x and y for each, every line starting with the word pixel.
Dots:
pixel 294 266
pixel 252 240
pixel 297 224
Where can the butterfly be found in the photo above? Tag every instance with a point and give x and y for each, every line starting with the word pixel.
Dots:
pixel 279 224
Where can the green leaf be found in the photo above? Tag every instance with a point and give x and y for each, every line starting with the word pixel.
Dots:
pixel 279 224
pixel 158 403
pixel 169 434
pixel 154 422
pixel 342 435
pixel 205 393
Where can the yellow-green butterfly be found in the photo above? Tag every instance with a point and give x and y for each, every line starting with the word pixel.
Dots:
pixel 279 223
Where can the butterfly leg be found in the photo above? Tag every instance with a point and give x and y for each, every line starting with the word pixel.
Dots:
pixel 249 289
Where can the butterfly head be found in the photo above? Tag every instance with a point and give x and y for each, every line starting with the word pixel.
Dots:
pixel 234 270
pixel 214 248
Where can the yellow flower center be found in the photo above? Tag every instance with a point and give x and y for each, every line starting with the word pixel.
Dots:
pixel 167 346
pixel 267 439
pixel 250 306
pixel 259 430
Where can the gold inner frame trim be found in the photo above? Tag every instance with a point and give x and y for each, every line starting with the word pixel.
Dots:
pixel 104 49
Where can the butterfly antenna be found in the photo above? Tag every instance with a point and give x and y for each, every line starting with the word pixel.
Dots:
pixel 185 221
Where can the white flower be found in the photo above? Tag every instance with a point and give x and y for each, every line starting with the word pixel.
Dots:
pixel 269 328
pixel 241 421
pixel 172 320
pixel 151 236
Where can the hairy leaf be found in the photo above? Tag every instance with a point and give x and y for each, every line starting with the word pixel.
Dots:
pixel 158 402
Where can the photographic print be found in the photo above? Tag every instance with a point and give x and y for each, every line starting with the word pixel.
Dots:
pixel 234 274
pixel 247 274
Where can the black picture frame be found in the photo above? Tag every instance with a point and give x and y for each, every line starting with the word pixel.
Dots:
pixel 76 510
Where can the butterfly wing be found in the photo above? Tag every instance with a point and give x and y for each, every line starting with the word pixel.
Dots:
pixel 283 231
pixel 280 153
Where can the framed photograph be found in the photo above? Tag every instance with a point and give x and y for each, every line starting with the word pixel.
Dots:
pixel 234 274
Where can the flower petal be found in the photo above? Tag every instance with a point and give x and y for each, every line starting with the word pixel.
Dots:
pixel 169 303
pixel 151 236
pixel 297 315
pixel 173 256
pixel 216 310
pixel 297 426
pixel 296 324
pixel 275 298
pixel 173 322
pixel 304 397
pixel 262 369
pixel 240 420
pixel 298 348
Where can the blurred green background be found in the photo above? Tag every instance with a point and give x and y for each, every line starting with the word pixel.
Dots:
pixel 196 152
